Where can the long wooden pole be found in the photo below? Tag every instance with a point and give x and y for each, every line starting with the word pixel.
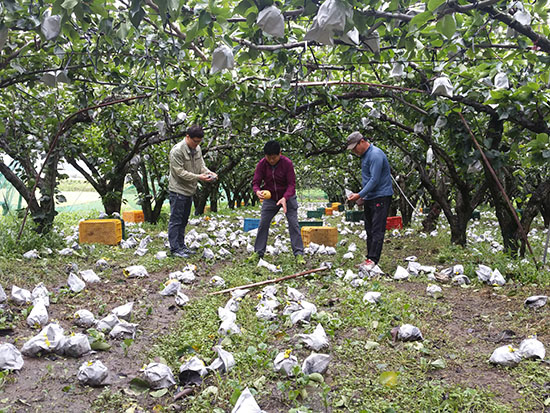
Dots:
pixel 501 188
pixel 276 280
pixel 546 246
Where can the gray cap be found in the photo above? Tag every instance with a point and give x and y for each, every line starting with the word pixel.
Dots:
pixel 353 139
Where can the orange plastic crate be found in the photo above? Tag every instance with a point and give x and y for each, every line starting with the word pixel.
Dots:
pixel 320 235
pixel 328 211
pixel 133 216
pixel 101 231
pixel 394 222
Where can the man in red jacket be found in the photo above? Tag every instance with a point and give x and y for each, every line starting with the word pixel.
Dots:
pixel 275 173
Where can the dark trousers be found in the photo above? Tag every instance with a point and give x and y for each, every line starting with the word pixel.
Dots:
pixel 180 208
pixel 376 214
pixel 269 210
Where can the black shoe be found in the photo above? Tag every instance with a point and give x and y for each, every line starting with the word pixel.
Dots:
pixel 188 251
pixel 180 254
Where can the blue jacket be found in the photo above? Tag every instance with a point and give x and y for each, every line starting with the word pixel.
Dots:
pixel 375 171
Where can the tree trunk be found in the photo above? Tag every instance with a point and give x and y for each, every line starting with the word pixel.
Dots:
pixel 430 222
pixel 141 182
pixel 199 200
pixel 458 231
pixel 112 202
pixel 539 202
pixel 214 197
pixel 506 220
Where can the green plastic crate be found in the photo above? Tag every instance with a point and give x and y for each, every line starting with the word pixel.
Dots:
pixel 310 223
pixel 354 216
pixel 315 214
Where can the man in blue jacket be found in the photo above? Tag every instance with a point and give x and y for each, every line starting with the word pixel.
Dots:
pixel 376 192
pixel 275 173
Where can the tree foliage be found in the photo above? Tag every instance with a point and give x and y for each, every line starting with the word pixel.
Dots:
pixel 377 70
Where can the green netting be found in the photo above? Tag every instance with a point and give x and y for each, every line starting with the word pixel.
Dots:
pixel 129 195
pixel 10 200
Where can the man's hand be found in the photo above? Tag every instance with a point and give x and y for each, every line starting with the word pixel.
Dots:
pixel 260 194
pixel 282 202
pixel 353 197
pixel 209 177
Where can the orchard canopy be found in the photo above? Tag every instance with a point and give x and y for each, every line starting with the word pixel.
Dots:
pixel 109 86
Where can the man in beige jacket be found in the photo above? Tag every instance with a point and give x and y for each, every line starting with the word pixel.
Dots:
pixel 187 168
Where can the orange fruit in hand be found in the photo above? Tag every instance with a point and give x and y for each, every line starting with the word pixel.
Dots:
pixel 266 194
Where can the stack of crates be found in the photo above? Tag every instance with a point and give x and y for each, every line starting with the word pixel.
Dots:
pixel 314 214
pixel 354 216
pixel 102 231
pixel 394 223
pixel 320 235
pixel 133 216
pixel 250 224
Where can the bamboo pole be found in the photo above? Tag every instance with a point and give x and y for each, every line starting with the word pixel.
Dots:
pixel 546 246
pixel 501 188
pixel 276 280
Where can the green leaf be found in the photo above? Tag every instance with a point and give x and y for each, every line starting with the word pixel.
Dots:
pixel 434 4
pixel 139 385
pixel 310 7
pixel 192 32
pixel 158 393
pixel 371 345
pixel 242 7
pixel 235 396
pixel 420 19
pixel 316 377
pixel 447 26
pixel 123 30
pixel 389 378
pixel 540 5
pixel 439 364
pixel 100 345
pixel 251 18
pixel 69 4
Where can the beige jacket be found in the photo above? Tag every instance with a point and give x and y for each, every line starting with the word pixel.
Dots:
pixel 185 170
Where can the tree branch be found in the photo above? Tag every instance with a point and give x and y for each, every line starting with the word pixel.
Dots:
pixel 537 39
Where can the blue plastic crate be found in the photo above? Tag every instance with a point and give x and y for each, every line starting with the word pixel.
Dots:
pixel 250 224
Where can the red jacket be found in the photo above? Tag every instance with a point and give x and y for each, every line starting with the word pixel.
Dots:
pixel 279 180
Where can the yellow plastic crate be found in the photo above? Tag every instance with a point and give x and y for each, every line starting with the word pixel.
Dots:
pixel 320 235
pixel 335 205
pixel 101 231
pixel 133 216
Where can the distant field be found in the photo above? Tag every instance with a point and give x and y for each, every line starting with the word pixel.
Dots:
pixel 81 195
pixel 75 185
